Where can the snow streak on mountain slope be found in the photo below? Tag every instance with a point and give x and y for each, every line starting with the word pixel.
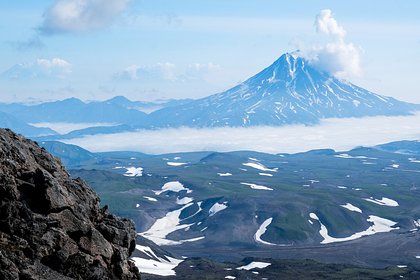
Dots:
pixel 288 91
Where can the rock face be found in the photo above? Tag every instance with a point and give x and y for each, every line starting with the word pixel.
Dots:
pixel 51 226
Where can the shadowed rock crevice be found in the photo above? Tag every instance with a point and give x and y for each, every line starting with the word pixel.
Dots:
pixel 51 227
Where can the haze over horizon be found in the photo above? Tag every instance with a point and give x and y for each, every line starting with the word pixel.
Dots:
pixel 160 49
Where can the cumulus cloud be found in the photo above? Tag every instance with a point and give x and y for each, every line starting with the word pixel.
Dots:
pixel 81 15
pixel 199 67
pixel 55 63
pixel 159 71
pixel 325 23
pixel 335 56
pixel 338 134
pixel 167 71
pixel 202 72
pixel 41 68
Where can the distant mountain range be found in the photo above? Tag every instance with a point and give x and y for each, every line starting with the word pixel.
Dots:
pixel 10 121
pixel 290 91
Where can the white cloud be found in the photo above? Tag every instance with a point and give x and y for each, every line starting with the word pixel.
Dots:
pixel 160 71
pixel 335 56
pixel 168 71
pixel 41 68
pixel 81 15
pixel 54 64
pixel 203 72
pixel 203 66
pixel 325 23
pixel 338 134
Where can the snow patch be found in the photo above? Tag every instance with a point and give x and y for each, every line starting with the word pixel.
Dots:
pixel 170 163
pixel 379 225
pixel 384 201
pixel 349 156
pixel 257 187
pixel 184 200
pixel 159 267
pixel 224 174
pixel 266 174
pixel 253 265
pixel 166 225
pixel 217 207
pixel 134 172
pixel 262 230
pixel 174 186
pixel 150 198
pixel 156 265
pixel 259 166
pixel 351 207
pixel 230 277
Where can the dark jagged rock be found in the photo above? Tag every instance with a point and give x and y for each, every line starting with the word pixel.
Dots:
pixel 51 226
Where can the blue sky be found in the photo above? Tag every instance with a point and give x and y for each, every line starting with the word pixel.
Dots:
pixel 145 50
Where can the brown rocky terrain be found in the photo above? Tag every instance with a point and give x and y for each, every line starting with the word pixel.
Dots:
pixel 51 226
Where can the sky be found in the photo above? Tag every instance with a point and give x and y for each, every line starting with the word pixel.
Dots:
pixel 165 49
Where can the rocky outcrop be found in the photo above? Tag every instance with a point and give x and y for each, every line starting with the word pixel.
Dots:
pixel 51 226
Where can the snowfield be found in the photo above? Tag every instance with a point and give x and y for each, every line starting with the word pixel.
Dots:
pixel 155 265
pixel 351 207
pixel 384 201
pixel 150 198
pixel 379 225
pixel 170 163
pixel 257 187
pixel 184 200
pixel 217 207
pixel 259 166
pixel 262 230
pixel 162 227
pixel 265 174
pixel 354 157
pixel 133 171
pixel 253 265
pixel 174 186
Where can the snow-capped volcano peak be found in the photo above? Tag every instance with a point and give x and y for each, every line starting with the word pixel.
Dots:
pixel 288 91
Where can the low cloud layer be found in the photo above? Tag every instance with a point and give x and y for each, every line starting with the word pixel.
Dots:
pixel 335 56
pixel 65 16
pixel 338 134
